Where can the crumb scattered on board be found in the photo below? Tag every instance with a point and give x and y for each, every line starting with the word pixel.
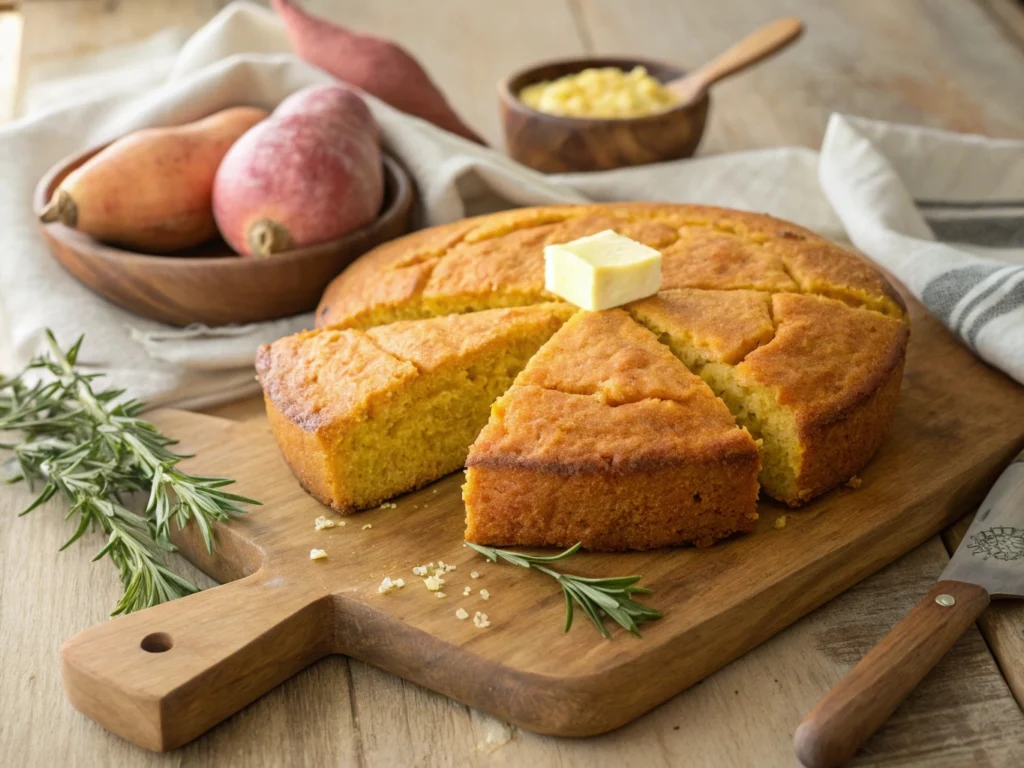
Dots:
pixel 461 614
pixel 389 585
pixel 433 583
pixel 317 554
pixel 480 620
pixel 367 526
pixel 485 595
pixel 780 523
pixel 322 523
pixel 474 575
pixel 467 591
pixel 854 482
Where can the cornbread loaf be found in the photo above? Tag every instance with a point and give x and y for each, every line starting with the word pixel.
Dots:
pixel 607 439
pixel 362 416
pixel 616 419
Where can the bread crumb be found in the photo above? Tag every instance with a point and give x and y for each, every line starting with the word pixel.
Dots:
pixel 448 567
pixel 440 594
pixel 480 620
pixel 419 570
pixel 854 482
pixel 461 614
pixel 433 583
pixel 388 585
pixel 341 523
pixel 474 575
pixel 466 591
pixel 367 526
pixel 780 523
pixel 485 595
pixel 317 554
pixel 323 522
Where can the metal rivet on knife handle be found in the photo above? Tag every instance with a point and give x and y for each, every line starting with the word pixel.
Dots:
pixel 945 600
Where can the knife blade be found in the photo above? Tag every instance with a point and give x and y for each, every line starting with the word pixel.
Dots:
pixel 988 563
pixel 991 554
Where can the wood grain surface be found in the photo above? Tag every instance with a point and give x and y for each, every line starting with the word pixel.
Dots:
pixel 226 646
pixel 945 64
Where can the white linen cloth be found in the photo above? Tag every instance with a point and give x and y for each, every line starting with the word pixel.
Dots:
pixel 943 212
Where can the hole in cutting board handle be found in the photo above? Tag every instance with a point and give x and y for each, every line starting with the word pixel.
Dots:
pixel 157 642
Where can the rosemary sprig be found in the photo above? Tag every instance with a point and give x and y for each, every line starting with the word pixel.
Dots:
pixel 597 597
pixel 92 449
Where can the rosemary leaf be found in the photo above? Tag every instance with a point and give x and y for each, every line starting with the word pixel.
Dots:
pixel 598 598
pixel 92 449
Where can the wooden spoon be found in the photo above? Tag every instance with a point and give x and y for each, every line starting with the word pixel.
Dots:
pixel 753 48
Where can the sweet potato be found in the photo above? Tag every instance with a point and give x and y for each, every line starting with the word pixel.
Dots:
pixel 376 66
pixel 309 174
pixel 151 190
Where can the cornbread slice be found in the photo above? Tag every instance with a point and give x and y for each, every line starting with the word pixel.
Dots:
pixel 707 326
pixel 363 416
pixel 606 438
pixel 820 395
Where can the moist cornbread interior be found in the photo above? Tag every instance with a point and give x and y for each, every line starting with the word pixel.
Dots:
pixel 361 416
pixel 801 340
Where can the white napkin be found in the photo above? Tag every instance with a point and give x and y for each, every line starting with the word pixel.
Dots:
pixel 242 56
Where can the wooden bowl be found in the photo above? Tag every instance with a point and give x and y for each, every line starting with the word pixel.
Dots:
pixel 211 284
pixel 557 144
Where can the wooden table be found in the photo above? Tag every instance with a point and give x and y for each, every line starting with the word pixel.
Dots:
pixel 952 64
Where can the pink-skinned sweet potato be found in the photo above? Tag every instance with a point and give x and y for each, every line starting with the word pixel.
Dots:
pixel 310 173
pixel 377 66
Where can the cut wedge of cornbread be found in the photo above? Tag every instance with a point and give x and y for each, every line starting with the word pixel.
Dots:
pixel 607 439
pixel 819 394
pixel 363 416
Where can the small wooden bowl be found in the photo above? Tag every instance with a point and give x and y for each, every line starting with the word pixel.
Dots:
pixel 211 284
pixel 557 144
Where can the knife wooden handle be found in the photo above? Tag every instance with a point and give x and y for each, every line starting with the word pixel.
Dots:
pixel 858 705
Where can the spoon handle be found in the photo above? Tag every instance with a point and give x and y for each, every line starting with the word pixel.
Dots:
pixel 753 48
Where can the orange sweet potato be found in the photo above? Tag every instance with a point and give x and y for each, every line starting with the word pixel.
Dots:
pixel 310 173
pixel 376 66
pixel 151 190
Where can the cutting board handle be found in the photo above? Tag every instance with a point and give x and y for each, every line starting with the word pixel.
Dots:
pixel 858 705
pixel 162 676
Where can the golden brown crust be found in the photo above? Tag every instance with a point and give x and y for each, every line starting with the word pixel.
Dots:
pixel 497 260
pixel 609 355
pixel 552 468
pixel 719 326
pixel 826 358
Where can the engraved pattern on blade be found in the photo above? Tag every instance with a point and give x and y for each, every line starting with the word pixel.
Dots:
pixel 992 552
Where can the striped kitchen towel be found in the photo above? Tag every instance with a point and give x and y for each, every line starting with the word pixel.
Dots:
pixel 943 212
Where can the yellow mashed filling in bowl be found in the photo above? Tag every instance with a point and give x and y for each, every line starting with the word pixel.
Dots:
pixel 605 92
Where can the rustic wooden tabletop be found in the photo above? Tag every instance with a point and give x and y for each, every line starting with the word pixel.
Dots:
pixel 952 64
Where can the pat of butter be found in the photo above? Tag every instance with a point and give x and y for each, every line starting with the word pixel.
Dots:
pixel 602 271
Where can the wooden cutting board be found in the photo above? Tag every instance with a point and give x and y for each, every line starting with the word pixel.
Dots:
pixel 165 675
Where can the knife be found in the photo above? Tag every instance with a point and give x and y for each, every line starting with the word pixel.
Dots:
pixel 988 563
